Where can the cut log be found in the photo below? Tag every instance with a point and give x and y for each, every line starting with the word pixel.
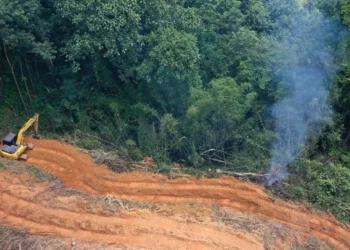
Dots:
pixel 242 174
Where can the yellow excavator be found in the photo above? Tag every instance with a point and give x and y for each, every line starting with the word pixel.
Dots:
pixel 14 145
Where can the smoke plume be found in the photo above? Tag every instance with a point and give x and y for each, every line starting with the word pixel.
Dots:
pixel 305 59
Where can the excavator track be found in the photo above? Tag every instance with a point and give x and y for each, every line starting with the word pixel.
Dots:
pixel 23 157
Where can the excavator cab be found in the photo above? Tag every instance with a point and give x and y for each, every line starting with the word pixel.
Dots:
pixel 13 144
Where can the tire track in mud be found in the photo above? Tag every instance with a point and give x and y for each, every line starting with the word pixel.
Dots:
pixel 84 175
pixel 149 230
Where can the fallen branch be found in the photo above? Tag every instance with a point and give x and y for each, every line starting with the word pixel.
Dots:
pixel 87 151
pixel 47 244
pixel 95 137
pixel 120 202
pixel 242 174
pixel 36 243
pixel 180 175
pixel 138 166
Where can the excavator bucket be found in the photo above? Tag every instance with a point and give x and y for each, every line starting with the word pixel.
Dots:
pixel 36 136
pixel 23 157
pixel 30 146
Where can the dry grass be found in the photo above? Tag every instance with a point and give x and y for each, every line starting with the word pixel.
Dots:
pixel 314 244
pixel 21 169
pixel 11 239
pixel 114 204
pixel 239 221
pixel 16 239
pixel 112 160
pixel 271 234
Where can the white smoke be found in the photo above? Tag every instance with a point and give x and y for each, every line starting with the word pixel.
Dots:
pixel 306 69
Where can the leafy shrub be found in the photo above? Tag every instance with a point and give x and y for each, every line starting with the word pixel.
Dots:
pixel 133 151
pixel 164 168
pixel 325 185
pixel 219 121
pixel 88 143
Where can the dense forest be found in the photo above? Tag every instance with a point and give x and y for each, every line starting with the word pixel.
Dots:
pixel 242 85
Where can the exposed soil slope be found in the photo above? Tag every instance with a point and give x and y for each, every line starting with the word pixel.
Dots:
pixel 78 171
pixel 138 229
pixel 58 217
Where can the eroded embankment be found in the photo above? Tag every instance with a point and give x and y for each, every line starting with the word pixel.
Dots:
pixel 78 171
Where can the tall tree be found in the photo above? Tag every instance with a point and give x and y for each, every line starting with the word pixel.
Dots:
pixel 100 28
pixel 23 31
pixel 171 68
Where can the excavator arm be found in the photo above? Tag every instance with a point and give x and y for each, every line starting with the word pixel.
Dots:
pixel 34 120
pixel 14 146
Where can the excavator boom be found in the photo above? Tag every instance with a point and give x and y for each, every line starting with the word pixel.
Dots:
pixel 34 120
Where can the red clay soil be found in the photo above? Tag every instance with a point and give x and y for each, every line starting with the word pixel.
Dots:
pixel 42 210
pixel 77 170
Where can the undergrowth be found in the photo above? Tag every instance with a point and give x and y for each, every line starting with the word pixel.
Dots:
pixel 39 174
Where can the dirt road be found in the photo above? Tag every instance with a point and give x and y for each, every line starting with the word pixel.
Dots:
pixel 77 170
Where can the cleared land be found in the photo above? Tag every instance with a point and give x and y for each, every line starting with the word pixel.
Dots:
pixel 90 204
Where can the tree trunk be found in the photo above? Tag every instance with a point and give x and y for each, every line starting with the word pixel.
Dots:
pixel 30 75
pixel 346 140
pixel 36 68
pixel 49 65
pixel 15 79
pixel 25 80
pixel 2 87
